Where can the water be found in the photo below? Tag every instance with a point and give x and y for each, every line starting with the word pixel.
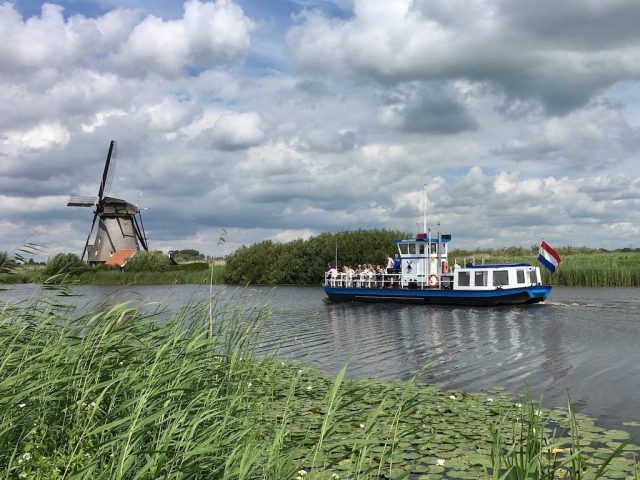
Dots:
pixel 584 341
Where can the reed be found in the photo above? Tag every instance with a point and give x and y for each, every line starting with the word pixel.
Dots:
pixel 533 447
pixel 126 393
pixel 122 394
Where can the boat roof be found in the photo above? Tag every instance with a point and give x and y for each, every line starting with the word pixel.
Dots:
pixel 499 265
pixel 424 239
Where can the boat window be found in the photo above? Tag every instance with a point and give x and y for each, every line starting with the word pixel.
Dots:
pixel 404 248
pixel 533 278
pixel 480 279
pixel 463 279
pixel 421 249
pixel 500 277
pixel 520 276
pixel 434 248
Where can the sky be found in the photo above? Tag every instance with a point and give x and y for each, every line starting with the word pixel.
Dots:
pixel 282 119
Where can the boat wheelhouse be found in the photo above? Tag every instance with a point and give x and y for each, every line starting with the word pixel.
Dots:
pixel 425 276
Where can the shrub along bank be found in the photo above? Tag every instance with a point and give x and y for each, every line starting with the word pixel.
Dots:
pixel 303 262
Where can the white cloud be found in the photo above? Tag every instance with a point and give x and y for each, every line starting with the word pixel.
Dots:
pixel 208 33
pixel 43 136
pixel 449 40
pixel 237 131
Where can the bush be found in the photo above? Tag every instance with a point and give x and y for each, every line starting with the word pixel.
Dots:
pixel 64 263
pixel 303 262
pixel 148 262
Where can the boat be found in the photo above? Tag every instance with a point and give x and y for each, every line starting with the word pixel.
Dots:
pixel 423 276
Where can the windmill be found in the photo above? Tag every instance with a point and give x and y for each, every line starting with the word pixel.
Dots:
pixel 120 223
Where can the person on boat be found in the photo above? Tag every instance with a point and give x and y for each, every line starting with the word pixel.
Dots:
pixel 390 264
pixel 379 275
pixel 470 263
pixel 396 263
pixel 329 267
pixel 347 273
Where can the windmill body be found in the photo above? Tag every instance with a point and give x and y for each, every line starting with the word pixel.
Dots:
pixel 119 222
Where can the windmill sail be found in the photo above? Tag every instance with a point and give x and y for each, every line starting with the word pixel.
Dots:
pixel 107 174
pixel 81 201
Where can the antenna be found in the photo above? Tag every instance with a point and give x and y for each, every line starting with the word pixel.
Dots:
pixel 424 208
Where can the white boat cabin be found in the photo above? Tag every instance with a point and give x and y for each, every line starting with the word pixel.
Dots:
pixel 424 260
pixel 492 277
pixel 425 264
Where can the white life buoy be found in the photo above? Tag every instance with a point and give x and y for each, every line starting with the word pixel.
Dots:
pixel 433 280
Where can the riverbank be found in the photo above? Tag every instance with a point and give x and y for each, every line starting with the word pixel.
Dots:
pixel 101 276
pixel 113 394
pixel 577 269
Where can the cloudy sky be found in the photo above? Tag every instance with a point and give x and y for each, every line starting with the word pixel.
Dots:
pixel 281 119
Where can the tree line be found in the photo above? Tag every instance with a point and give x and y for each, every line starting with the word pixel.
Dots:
pixel 303 262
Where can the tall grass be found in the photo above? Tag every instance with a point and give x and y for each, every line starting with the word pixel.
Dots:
pixel 530 449
pixel 123 394
pixel 117 394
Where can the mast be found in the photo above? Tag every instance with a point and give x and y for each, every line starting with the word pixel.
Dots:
pixel 427 232
pixel 424 208
pixel 439 264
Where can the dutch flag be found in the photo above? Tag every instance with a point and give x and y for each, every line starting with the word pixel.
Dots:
pixel 548 256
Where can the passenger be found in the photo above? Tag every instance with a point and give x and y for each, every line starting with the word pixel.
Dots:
pixel 390 264
pixel 347 272
pixel 396 264
pixel 380 276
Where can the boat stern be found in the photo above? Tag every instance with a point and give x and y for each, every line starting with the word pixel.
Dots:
pixel 539 293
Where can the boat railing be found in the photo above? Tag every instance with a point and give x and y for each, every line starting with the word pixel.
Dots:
pixel 384 280
pixel 362 280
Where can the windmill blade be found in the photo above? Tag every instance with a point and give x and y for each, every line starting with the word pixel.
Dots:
pixel 81 201
pixel 140 233
pixel 86 244
pixel 109 170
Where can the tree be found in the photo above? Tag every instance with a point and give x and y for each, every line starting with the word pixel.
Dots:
pixel 187 255
pixel 302 262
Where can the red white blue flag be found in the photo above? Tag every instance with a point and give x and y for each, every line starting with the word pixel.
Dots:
pixel 548 257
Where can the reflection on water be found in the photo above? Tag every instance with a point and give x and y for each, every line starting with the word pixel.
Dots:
pixel 583 340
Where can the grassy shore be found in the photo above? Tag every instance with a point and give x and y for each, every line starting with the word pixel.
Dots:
pixel 120 394
pixel 173 275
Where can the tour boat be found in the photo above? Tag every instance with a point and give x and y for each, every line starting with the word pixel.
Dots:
pixel 425 277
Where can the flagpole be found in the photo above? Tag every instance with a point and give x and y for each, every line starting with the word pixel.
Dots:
pixel 424 208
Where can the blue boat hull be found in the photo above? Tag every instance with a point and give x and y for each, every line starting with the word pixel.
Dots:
pixel 484 298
